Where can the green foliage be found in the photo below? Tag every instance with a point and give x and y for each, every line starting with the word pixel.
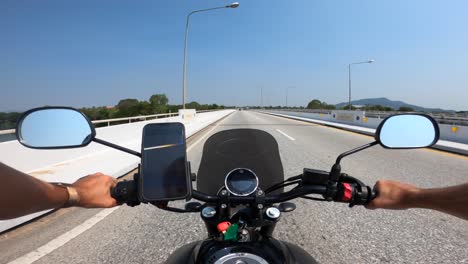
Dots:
pixel 347 107
pixel 316 104
pixel 99 113
pixel 157 104
pixel 377 108
pixel 8 120
pixel 128 107
pixel 406 109
pixel 193 105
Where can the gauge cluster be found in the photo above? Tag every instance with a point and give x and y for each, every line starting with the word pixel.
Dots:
pixel 241 182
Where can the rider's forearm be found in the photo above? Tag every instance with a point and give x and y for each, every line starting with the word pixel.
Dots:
pixel 452 200
pixel 23 194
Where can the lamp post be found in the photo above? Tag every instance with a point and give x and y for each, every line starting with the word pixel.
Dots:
pixel 261 97
pixel 233 5
pixel 287 92
pixel 349 73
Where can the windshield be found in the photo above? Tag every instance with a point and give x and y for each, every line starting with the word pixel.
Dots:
pixel 239 148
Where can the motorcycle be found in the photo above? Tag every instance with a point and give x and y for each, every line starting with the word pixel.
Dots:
pixel 240 183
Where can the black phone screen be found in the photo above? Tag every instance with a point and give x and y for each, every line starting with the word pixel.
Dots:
pixel 163 174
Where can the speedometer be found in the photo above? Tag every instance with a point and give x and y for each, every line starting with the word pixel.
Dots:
pixel 241 182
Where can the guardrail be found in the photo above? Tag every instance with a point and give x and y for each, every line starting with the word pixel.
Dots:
pixel 129 119
pixel 446 119
pixel 450 133
pixel 8 131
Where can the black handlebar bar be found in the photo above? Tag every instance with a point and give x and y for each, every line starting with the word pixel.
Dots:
pixel 353 192
pixel 286 196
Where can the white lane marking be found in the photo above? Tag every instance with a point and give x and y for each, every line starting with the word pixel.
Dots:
pixel 204 136
pixel 62 239
pixel 286 135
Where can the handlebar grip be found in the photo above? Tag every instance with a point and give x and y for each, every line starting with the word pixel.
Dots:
pixel 374 195
pixel 354 194
pixel 126 192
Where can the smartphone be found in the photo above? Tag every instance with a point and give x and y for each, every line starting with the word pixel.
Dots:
pixel 163 171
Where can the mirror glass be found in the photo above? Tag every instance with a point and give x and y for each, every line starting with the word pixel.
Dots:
pixel 55 128
pixel 408 131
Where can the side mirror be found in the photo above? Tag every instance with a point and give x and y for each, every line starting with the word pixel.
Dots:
pixel 406 131
pixel 54 128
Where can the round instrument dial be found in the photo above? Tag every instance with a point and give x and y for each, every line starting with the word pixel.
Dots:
pixel 241 182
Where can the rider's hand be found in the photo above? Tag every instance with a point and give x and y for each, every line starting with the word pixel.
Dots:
pixel 95 191
pixel 392 195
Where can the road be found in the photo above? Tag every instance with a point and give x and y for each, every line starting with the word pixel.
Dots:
pixel 330 232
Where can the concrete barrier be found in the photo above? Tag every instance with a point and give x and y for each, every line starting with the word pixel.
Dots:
pixel 453 133
pixel 68 165
pixel 452 138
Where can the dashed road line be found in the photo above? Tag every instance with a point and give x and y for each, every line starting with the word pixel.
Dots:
pixel 286 135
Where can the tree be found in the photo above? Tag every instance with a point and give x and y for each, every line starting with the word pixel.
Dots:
pixel 159 103
pixel 145 108
pixel 327 106
pixel 405 109
pixel 8 120
pixel 193 105
pixel 128 107
pixel 314 104
pixel 346 107
pixel 377 108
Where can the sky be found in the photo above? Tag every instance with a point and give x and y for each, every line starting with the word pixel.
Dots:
pixel 95 53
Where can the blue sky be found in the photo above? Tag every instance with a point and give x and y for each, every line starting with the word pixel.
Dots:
pixel 92 53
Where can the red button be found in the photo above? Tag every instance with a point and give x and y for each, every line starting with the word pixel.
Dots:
pixel 348 192
pixel 223 226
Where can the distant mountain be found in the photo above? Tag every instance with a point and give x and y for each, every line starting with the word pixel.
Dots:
pixel 393 104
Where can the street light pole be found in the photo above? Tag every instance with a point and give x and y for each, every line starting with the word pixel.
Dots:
pixel 261 97
pixel 349 78
pixel 233 5
pixel 287 92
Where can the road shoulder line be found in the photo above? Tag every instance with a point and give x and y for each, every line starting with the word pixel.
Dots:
pixel 63 239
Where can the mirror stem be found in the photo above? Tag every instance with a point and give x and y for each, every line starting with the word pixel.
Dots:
pixel 355 150
pixel 105 143
pixel 335 172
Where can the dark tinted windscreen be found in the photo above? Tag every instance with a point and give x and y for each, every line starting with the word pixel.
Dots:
pixel 239 148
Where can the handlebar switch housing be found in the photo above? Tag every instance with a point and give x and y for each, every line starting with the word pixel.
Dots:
pixel 315 177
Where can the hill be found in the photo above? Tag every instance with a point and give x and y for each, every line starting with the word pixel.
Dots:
pixel 393 104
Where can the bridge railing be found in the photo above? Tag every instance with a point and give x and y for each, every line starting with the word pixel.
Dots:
pixel 121 120
pixel 130 119
pixel 8 131
pixel 441 118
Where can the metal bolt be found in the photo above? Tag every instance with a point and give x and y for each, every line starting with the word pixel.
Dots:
pixel 260 206
pixel 223 206
pixel 224 192
pixel 260 192
pixel 208 212
pixel 273 212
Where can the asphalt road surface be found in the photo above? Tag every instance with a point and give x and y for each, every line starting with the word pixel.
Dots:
pixel 330 232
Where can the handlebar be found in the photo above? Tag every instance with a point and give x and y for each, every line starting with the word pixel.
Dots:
pixel 350 191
